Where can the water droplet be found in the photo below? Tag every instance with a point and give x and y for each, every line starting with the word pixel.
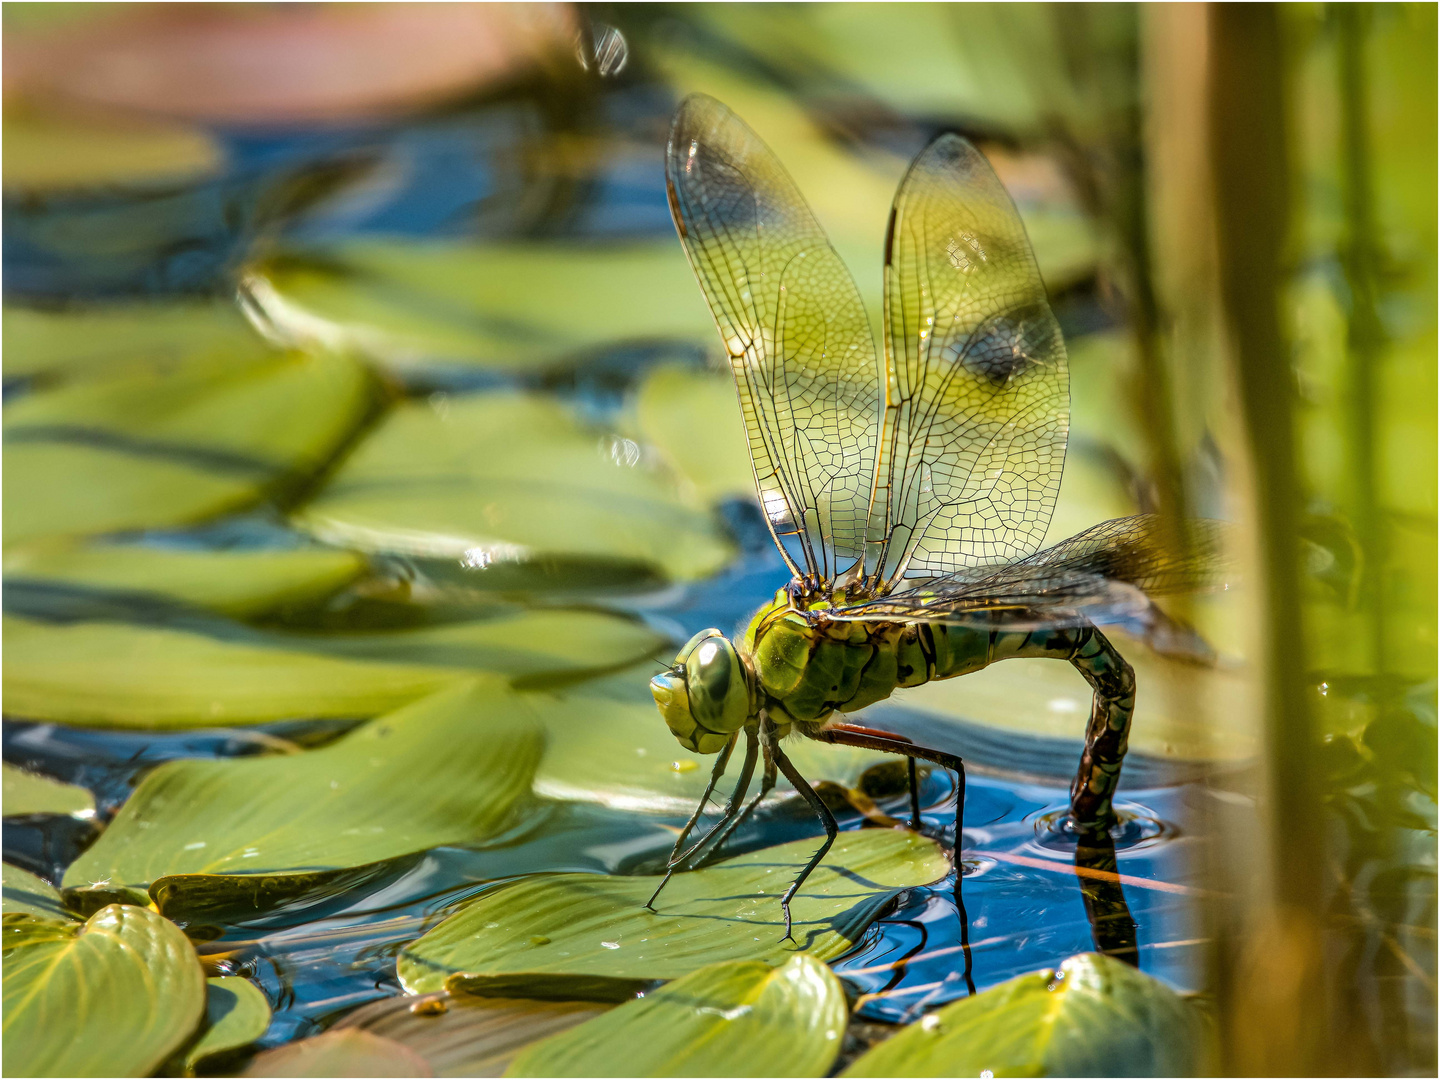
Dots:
pixel 539 939
pixel 603 50
pixel 433 1007
pixel 684 766
pixel 609 944
pixel 930 1023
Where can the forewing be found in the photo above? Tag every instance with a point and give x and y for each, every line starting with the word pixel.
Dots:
pixel 977 398
pixel 1103 574
pixel 795 330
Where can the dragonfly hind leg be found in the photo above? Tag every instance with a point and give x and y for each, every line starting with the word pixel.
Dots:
pixel 1093 791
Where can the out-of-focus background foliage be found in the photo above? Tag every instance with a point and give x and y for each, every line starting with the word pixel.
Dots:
pixel 361 332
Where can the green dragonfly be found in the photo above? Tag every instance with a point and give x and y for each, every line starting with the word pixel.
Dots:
pixel 908 493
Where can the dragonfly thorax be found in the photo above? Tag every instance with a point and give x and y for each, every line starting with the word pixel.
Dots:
pixel 707 694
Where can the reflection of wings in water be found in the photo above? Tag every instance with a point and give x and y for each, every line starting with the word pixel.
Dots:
pixel 799 342
pixel 1103 574
pixel 977 398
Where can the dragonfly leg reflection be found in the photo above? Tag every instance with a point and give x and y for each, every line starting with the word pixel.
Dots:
pixel 742 785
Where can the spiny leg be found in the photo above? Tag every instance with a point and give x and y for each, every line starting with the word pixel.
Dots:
pixel 767 784
pixel 875 739
pixel 826 818
pixel 737 794
pixel 715 774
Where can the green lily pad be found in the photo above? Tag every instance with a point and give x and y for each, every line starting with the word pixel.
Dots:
pixel 236 1014
pixel 743 1018
pixel 593 930
pixel 122 675
pixel 29 793
pixel 693 418
pixel 350 1052
pixel 125 338
pixel 26 894
pixel 608 744
pixel 463 1035
pixel 502 477
pixel 139 451
pixel 1096 1016
pixel 48 151
pixel 239 583
pixel 449 769
pixel 114 996
pixel 407 302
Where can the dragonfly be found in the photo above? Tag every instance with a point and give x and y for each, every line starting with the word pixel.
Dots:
pixel 908 491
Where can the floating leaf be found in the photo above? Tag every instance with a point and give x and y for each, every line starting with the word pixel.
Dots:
pixel 499 477
pixel 743 1018
pixel 241 583
pixel 409 302
pixel 1096 1016
pixel 121 675
pixel 445 770
pixel 114 996
pixel 55 151
pixel 608 744
pixel 236 1014
pixel 139 451
pixel 350 1052
pixel 29 793
pixel 558 927
pixel 124 338
pixel 463 1035
pixel 26 894
pixel 693 418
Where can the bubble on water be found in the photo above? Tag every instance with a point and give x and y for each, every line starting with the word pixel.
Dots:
pixel 603 50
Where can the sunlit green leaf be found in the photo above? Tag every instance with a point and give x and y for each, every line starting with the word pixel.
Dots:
pixel 30 793
pixel 597 930
pixel 608 744
pixel 26 894
pixel 123 338
pixel 114 996
pixel 464 1035
pixel 350 1052
pixel 493 478
pixel 241 583
pixel 743 1018
pixel 55 151
pixel 139 451
pixel 407 302
pixel 236 1014
pixel 1096 1016
pixel 448 769
pixel 121 675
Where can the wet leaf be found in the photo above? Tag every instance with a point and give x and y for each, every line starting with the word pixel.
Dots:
pixel 608 744
pixel 744 1018
pixel 30 793
pixel 236 1014
pixel 127 338
pixel 462 1035
pixel 114 996
pixel 26 894
pixel 558 927
pixel 1096 1016
pixel 241 583
pixel 49 150
pixel 495 478
pixel 139 451
pixel 445 770
pixel 120 675
pixel 350 1052
pixel 406 302
pixel 693 419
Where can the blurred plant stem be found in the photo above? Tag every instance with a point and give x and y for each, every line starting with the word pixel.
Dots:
pixel 1366 341
pixel 1274 1000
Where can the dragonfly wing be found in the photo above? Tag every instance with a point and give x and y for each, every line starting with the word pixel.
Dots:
pixel 977 398
pixel 1105 574
pixel 799 342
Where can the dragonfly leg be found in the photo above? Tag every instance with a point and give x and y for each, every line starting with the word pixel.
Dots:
pixel 742 785
pixel 1093 791
pixel 826 818
pixel 914 793
pixel 767 784
pixel 715 774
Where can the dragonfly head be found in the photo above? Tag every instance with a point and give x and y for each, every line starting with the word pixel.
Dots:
pixel 705 696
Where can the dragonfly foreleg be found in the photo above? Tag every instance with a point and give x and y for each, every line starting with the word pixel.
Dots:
pixel 725 828
pixel 737 794
pixel 716 773
pixel 826 818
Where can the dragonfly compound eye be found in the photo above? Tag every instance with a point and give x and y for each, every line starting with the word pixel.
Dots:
pixel 704 697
